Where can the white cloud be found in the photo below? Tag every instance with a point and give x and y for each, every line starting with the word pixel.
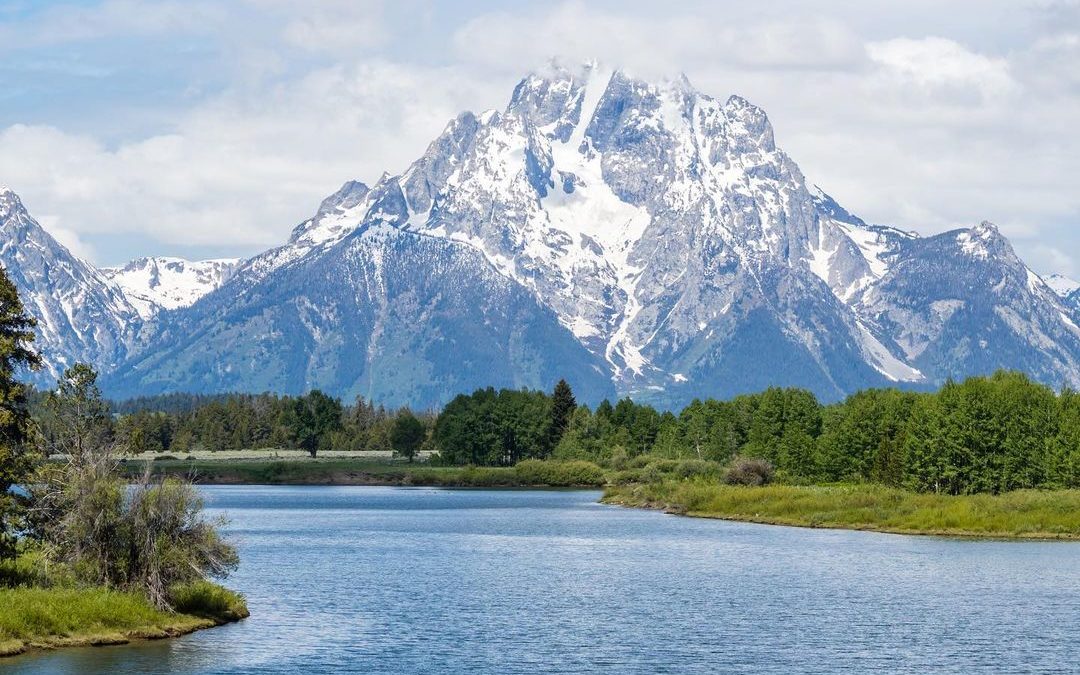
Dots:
pixel 937 64
pixel 72 23
pixel 922 124
pixel 243 168
pixel 339 26
pixel 654 46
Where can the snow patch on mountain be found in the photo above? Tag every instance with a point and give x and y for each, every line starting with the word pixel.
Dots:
pixel 1062 285
pixel 81 315
pixel 157 283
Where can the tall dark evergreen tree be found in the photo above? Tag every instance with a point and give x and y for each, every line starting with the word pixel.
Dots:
pixel 16 356
pixel 563 406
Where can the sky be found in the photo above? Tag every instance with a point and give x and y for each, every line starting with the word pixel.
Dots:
pixel 206 128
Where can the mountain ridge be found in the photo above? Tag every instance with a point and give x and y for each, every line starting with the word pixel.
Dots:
pixel 676 248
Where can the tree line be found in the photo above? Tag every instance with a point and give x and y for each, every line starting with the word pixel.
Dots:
pixel 984 434
pixel 180 424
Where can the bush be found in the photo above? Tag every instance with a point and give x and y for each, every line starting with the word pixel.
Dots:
pixel 657 470
pixel 690 468
pixel 559 474
pixel 618 459
pixel 484 476
pixel 627 476
pixel 749 471
pixel 26 569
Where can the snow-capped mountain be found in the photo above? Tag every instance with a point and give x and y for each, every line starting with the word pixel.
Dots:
pixel 394 316
pixel 1062 285
pixel 155 284
pixel 636 237
pixel 81 315
pixel 1068 290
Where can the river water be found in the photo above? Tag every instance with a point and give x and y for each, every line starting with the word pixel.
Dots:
pixel 416 580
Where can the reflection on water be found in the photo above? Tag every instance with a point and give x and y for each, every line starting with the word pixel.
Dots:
pixel 397 580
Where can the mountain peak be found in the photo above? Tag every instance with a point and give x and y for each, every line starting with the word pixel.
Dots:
pixel 9 202
pixel 1062 285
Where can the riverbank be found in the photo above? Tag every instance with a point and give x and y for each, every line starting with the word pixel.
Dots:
pixel 1024 514
pixel 348 471
pixel 47 618
pixel 1029 514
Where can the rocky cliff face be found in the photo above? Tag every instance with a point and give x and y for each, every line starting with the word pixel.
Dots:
pixel 81 315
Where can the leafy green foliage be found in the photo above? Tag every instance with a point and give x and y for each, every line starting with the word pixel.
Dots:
pixel 147 536
pixel 407 435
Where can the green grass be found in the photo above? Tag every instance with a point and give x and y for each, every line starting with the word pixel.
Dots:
pixel 33 617
pixel 1021 514
pixel 209 601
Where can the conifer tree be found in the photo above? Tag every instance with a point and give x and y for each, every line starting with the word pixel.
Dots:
pixel 563 406
pixel 16 357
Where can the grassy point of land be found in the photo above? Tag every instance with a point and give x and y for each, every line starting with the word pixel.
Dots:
pixel 46 618
pixel 1024 514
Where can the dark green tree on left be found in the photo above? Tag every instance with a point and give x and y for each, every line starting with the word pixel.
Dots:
pixel 563 406
pixel 16 356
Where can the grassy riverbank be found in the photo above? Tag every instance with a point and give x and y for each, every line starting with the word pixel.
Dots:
pixel 45 618
pixel 1028 514
pixel 691 488
pixel 347 471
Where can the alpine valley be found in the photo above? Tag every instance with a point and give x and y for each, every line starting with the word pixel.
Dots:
pixel 637 238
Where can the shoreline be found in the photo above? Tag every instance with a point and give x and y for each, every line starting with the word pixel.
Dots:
pixel 39 618
pixel 186 624
pixel 854 499
pixel 1023 515
pixel 777 522
pixel 353 472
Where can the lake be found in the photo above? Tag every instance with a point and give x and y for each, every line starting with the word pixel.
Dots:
pixel 416 580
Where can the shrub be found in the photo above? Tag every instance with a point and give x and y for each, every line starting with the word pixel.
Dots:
pixel 627 476
pixel 749 471
pixel 657 470
pixel 559 474
pixel 484 476
pixel 618 459
pixel 689 468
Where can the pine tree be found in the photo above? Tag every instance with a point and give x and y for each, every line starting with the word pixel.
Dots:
pixel 563 406
pixel 16 356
